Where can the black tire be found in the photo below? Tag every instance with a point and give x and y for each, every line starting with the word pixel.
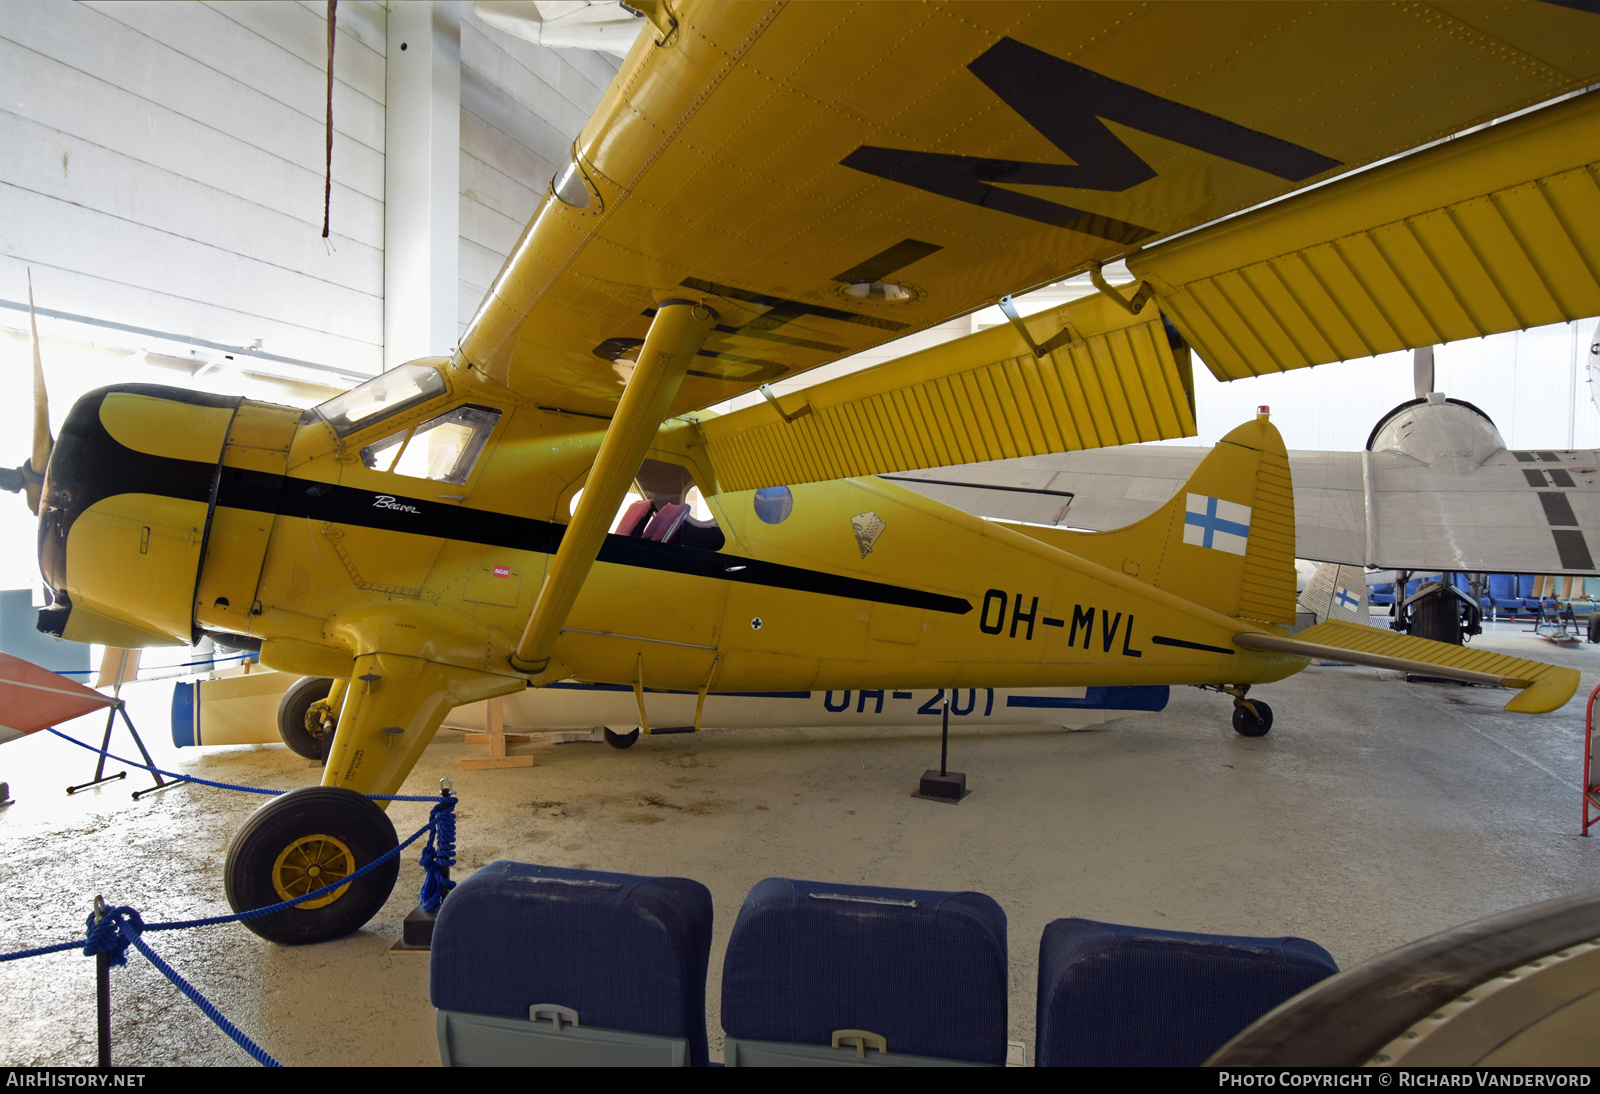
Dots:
pixel 297 818
pixel 1437 617
pixel 1252 725
pixel 292 715
pixel 621 740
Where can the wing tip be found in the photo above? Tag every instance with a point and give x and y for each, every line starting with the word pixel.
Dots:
pixel 1548 691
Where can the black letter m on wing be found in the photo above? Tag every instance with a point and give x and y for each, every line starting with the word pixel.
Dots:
pixel 1065 103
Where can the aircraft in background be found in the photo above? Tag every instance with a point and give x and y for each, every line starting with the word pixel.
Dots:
pixel 235 706
pixel 764 190
pixel 1434 491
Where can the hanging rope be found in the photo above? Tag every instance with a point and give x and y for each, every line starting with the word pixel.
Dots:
pixel 327 186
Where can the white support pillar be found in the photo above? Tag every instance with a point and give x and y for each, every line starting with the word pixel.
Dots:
pixel 422 180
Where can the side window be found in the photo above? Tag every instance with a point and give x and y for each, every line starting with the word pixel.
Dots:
pixel 443 449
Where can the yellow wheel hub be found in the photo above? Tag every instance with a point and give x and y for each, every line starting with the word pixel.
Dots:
pixel 309 864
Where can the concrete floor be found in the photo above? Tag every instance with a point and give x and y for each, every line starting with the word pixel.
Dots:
pixel 1376 812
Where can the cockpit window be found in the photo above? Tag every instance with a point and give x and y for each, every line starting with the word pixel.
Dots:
pixel 385 394
pixel 665 506
pixel 442 449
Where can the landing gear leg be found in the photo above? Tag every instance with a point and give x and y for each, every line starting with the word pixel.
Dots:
pixel 315 836
pixel 1251 717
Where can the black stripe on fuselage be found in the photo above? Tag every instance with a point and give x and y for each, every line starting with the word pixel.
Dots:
pixel 369 509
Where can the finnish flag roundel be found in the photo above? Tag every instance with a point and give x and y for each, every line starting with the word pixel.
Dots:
pixel 1220 525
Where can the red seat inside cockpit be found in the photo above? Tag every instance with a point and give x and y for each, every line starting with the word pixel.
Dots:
pixel 665 524
pixel 633 521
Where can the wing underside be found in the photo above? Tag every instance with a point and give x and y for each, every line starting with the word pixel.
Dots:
pixel 775 161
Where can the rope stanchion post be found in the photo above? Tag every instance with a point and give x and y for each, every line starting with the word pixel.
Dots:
pixel 110 931
pixel 102 991
pixel 438 855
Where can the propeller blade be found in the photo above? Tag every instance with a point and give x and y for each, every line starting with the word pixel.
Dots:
pixel 1422 370
pixel 43 442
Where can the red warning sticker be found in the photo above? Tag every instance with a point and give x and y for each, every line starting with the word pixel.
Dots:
pixel 502 571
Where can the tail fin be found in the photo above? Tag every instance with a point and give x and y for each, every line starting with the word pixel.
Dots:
pixel 1226 540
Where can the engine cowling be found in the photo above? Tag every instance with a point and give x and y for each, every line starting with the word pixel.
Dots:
pixel 1449 435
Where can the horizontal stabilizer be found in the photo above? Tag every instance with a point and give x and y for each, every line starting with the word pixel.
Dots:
pixel 1109 378
pixel 1542 688
pixel 1496 231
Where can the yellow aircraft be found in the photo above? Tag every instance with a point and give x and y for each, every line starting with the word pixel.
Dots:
pixel 766 188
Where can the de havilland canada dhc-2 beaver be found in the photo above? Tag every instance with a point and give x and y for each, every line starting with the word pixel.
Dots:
pixel 766 188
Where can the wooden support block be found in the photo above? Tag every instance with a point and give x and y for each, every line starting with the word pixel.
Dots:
pixel 485 738
pixel 496 737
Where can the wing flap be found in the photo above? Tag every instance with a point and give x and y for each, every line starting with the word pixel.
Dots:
pixel 1496 231
pixel 1541 687
pixel 982 397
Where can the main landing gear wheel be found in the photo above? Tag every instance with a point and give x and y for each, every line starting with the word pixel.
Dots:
pixel 294 716
pixel 300 842
pixel 621 740
pixel 1252 725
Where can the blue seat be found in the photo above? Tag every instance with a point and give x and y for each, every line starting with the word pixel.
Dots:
pixel 622 956
pixel 925 971
pixel 1136 996
pixel 1503 594
pixel 1532 603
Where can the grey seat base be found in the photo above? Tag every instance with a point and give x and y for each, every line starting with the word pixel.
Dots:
pixel 489 1040
pixel 739 1053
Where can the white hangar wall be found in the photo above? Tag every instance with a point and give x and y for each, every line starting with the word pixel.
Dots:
pixel 164 170
pixel 164 167
pixel 522 106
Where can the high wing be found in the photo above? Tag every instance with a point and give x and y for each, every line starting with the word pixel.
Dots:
pixel 1519 512
pixel 826 177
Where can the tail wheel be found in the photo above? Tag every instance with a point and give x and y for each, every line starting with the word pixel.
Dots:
pixel 302 723
pixel 303 841
pixel 621 740
pixel 1252 724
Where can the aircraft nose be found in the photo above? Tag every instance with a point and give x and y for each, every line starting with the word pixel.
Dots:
pixel 123 512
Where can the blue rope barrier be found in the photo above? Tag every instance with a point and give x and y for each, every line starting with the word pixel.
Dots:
pixel 119 928
pixel 206 1008
pixel 155 668
pixel 113 932
pixel 39 951
pixel 438 855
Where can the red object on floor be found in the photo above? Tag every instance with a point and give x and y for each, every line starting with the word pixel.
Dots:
pixel 32 698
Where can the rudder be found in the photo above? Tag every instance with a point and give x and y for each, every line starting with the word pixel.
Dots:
pixel 1226 540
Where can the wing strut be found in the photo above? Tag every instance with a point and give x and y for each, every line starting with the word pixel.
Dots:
pixel 677 333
